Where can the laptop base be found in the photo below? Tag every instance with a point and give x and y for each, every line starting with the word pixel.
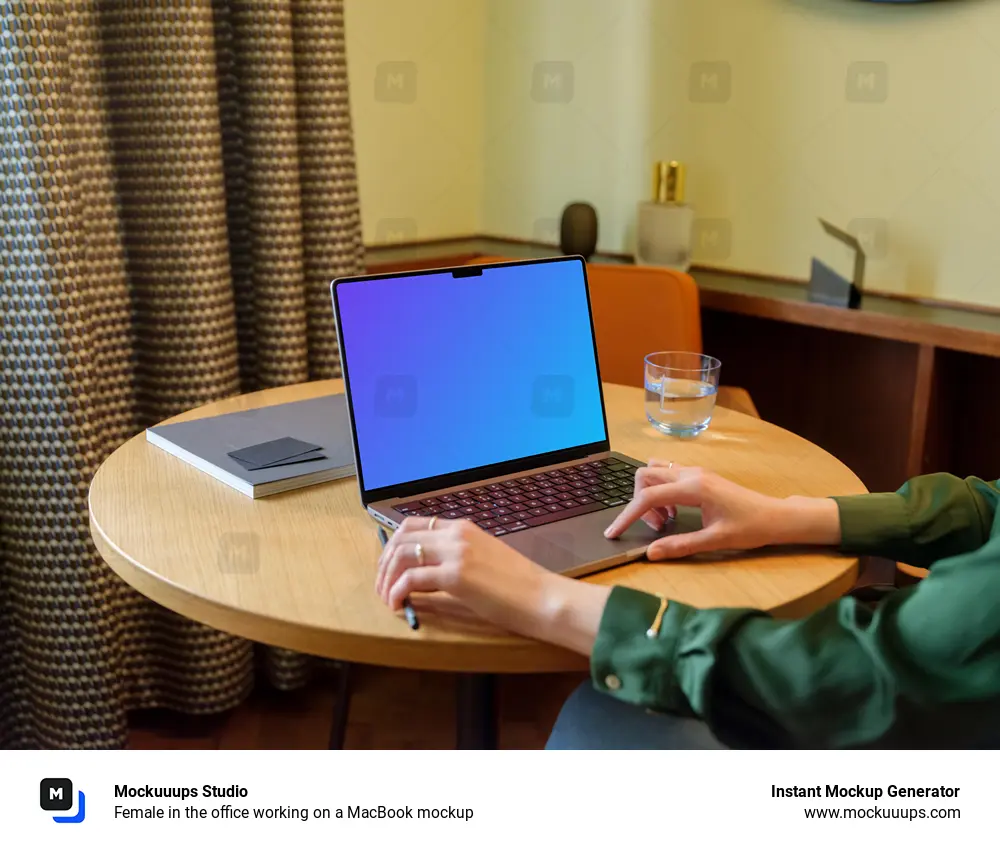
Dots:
pixel 573 547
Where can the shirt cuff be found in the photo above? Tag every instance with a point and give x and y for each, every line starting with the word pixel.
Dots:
pixel 627 664
pixel 870 521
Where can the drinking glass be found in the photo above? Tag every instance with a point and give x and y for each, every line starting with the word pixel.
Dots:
pixel 681 389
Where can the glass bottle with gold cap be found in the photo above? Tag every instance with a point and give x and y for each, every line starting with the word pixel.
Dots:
pixel 664 229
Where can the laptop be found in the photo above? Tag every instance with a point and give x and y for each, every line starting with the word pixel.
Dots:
pixel 475 393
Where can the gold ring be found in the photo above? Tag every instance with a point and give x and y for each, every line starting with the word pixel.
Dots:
pixel 418 550
pixel 430 525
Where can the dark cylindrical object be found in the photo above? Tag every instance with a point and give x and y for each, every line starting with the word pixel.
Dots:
pixel 578 230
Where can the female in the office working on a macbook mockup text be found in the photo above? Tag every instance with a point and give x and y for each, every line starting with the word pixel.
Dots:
pixel 922 669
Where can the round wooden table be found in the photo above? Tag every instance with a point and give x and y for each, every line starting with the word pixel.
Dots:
pixel 297 569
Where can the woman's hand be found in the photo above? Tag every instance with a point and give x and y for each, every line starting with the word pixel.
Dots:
pixel 496 582
pixel 491 579
pixel 733 517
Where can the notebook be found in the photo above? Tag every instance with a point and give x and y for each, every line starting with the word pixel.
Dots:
pixel 266 450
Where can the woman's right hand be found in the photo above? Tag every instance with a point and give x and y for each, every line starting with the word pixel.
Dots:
pixel 733 517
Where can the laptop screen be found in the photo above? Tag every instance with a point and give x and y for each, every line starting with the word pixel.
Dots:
pixel 449 374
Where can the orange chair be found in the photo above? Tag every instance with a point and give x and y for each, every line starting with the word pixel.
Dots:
pixel 907 575
pixel 641 309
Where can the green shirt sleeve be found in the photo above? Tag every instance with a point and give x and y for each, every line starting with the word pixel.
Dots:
pixel 930 518
pixel 921 670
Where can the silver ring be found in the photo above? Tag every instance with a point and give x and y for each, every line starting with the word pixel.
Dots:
pixel 418 550
pixel 670 465
pixel 430 525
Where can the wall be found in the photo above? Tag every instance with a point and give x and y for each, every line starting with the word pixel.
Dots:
pixel 417 74
pixel 764 101
pixel 489 116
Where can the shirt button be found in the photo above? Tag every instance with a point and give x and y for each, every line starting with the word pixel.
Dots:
pixel 613 682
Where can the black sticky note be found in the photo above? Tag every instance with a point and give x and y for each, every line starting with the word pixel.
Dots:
pixel 273 452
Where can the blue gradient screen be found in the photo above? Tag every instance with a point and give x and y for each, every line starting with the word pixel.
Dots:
pixel 449 374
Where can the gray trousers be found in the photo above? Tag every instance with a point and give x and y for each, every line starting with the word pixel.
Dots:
pixel 591 720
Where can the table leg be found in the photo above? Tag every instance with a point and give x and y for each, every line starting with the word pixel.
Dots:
pixel 476 719
pixel 341 708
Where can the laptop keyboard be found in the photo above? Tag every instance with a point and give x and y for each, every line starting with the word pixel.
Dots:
pixel 546 497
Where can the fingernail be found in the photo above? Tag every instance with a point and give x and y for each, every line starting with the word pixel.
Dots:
pixel 607 531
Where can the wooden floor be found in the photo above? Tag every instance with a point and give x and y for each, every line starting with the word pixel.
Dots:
pixel 390 709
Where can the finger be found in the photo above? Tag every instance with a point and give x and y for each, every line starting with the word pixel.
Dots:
pixel 388 551
pixel 407 527
pixel 404 557
pixel 662 495
pixel 682 545
pixel 647 476
pixel 649 499
pixel 402 554
pixel 415 580
pixel 419 523
pixel 656 519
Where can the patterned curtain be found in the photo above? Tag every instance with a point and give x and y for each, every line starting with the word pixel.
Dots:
pixel 179 188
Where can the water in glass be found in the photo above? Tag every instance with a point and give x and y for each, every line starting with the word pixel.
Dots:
pixel 679 406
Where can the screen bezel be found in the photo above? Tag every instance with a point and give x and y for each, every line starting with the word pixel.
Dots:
pixel 457 479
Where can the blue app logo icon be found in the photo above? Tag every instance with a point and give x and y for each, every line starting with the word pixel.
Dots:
pixel 396 396
pixel 552 397
pixel 56 795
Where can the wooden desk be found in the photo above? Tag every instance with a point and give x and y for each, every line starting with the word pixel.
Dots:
pixel 297 570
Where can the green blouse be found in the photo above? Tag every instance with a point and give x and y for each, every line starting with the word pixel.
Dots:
pixel 922 669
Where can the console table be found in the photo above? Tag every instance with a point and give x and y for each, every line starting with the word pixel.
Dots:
pixel 894 389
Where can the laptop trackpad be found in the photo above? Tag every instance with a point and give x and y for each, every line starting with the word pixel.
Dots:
pixel 581 540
